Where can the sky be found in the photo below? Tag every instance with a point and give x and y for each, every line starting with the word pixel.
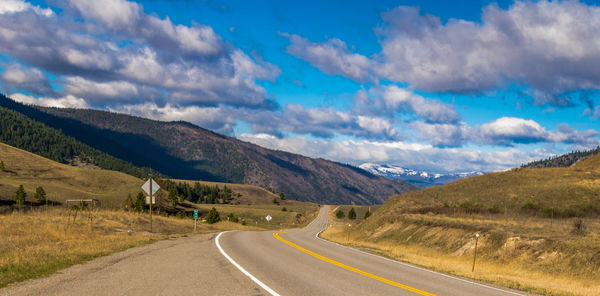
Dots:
pixel 442 86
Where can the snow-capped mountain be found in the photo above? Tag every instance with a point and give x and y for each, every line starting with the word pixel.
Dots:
pixel 417 178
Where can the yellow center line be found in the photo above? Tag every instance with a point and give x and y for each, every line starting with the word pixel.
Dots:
pixel 353 269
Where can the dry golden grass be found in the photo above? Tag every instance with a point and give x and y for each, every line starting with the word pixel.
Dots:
pixel 39 242
pixel 526 253
pixel 61 181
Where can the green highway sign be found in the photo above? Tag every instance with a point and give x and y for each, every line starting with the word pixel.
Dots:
pixel 196 214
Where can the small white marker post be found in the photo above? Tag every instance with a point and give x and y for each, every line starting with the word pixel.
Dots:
pixel 269 218
pixel 348 234
pixel 475 254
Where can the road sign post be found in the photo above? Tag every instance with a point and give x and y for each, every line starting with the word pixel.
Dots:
pixel 269 218
pixel 150 187
pixel 195 218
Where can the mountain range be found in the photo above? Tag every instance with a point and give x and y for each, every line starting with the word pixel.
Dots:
pixel 184 151
pixel 417 178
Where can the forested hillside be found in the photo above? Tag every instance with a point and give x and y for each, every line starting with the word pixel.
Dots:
pixel 22 132
pixel 184 151
pixel 564 160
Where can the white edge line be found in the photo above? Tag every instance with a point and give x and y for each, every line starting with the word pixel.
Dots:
pixel 261 284
pixel 413 266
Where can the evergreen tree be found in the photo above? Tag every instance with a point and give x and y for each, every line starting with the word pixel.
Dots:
pixel 128 203
pixel 20 196
pixel 352 214
pixel 367 214
pixel 2 168
pixel 339 214
pixel 140 202
pixel 212 216
pixel 173 198
pixel 40 195
pixel 282 196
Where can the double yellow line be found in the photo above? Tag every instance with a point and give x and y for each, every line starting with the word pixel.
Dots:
pixel 350 268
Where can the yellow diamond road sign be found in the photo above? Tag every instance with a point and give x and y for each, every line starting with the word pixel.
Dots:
pixel 146 186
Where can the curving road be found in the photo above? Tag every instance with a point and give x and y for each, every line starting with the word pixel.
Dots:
pixel 300 263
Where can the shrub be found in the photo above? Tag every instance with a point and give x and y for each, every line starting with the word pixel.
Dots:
pixel 275 201
pixel 579 227
pixel 284 209
pixel 232 218
pixel 212 216
pixel 339 214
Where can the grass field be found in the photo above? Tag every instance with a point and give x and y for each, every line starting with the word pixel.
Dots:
pixel 540 229
pixel 39 242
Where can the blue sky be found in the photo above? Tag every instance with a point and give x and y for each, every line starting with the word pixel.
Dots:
pixel 434 85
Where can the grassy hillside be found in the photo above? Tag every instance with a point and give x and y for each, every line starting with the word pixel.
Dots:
pixel 539 228
pixel 61 182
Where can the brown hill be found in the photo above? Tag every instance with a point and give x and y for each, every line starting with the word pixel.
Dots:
pixel 185 151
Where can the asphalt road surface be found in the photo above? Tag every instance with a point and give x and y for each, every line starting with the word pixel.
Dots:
pixel 249 263
pixel 300 263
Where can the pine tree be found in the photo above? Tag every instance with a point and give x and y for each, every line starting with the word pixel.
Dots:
pixel 2 168
pixel 40 195
pixel 140 202
pixel 339 214
pixel 173 198
pixel 128 203
pixel 20 196
pixel 282 196
pixel 352 214
pixel 212 216
pixel 367 214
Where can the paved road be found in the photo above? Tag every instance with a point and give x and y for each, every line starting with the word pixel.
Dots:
pixel 299 263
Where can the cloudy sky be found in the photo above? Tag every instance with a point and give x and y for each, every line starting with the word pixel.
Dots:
pixel 444 86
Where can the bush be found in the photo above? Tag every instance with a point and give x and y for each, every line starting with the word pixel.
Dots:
pixel 284 209
pixel 282 196
pixel 275 201
pixel 579 227
pixel 339 214
pixel 232 218
pixel 213 216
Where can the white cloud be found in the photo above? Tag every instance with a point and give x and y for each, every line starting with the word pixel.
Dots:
pixel 219 119
pixel 332 57
pixel 14 6
pixel 68 101
pixel 115 43
pixel 409 155
pixel 550 46
pixel 30 79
